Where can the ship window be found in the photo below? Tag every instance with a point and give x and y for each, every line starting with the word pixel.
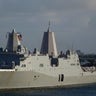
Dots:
pixel 72 64
pixel 23 65
pixel 41 65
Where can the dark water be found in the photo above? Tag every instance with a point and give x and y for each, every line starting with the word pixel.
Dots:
pixel 77 91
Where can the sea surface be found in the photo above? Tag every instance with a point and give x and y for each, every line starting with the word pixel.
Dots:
pixel 75 91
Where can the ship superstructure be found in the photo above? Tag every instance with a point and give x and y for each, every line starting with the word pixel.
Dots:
pixel 49 43
pixel 22 69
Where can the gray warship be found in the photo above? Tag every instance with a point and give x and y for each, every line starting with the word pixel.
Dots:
pixel 20 68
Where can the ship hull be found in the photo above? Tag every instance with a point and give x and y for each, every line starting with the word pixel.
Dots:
pixel 31 79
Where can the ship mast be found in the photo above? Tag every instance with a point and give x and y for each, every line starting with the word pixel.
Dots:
pixel 14 40
pixel 48 43
pixel 48 30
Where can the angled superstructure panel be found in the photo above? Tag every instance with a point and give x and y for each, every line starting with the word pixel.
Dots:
pixel 10 42
pixel 44 46
pixel 52 50
pixel 15 42
pixel 49 44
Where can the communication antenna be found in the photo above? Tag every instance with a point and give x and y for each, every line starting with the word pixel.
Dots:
pixel 72 47
pixel 7 34
pixel 48 27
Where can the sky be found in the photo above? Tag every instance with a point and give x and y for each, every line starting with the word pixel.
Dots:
pixel 72 21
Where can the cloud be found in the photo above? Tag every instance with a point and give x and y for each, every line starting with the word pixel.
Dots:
pixel 71 20
pixel 91 4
